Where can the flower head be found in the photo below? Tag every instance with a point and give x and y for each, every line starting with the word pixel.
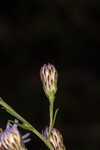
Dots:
pixel 55 138
pixel 10 138
pixel 49 77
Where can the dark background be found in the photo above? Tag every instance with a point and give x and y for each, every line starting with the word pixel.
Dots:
pixel 65 33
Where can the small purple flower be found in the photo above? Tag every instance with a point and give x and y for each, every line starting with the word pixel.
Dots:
pixel 10 138
pixel 55 138
pixel 49 78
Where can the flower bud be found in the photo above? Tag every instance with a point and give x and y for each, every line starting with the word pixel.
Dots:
pixel 49 77
pixel 10 138
pixel 55 138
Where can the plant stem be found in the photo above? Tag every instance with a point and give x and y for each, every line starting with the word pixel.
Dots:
pixel 51 105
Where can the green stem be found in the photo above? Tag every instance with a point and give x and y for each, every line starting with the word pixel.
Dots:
pixel 51 105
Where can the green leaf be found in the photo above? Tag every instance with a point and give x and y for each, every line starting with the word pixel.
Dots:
pixel 55 115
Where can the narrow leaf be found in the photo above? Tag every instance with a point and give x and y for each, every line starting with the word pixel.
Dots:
pixel 55 115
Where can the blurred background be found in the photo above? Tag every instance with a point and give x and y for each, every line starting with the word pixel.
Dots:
pixel 65 33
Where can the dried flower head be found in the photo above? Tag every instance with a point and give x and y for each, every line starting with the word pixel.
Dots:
pixel 55 138
pixel 49 77
pixel 10 138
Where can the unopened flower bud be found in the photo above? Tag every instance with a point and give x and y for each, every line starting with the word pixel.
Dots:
pixel 49 77
pixel 55 138
pixel 10 138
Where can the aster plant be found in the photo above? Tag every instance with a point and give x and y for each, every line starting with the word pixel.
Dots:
pixel 10 137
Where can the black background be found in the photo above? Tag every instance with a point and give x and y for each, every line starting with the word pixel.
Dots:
pixel 65 33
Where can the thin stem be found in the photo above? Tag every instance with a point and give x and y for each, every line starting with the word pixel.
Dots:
pixel 44 140
pixel 51 105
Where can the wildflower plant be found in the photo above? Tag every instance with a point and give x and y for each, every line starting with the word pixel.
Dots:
pixel 10 137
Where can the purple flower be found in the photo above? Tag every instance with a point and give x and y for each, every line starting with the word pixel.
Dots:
pixel 11 139
pixel 55 138
pixel 49 78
